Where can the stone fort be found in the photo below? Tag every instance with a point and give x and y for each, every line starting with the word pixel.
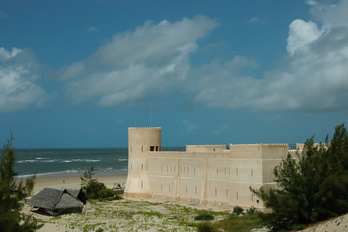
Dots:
pixel 209 175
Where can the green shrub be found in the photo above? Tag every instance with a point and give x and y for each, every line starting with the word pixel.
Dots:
pixel 238 210
pixel 13 195
pixel 206 227
pixel 97 190
pixel 204 217
pixel 252 210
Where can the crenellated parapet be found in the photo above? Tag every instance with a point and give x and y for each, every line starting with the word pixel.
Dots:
pixel 205 148
pixel 205 174
pixel 144 128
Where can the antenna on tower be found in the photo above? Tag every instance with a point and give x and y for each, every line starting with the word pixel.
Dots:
pixel 150 112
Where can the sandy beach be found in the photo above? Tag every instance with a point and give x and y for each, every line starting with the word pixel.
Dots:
pixel 75 181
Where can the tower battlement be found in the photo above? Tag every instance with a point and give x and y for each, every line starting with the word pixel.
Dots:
pixel 205 174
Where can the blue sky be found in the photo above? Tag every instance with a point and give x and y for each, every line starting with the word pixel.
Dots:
pixel 79 73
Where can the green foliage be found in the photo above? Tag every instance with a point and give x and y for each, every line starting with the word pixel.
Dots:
pixel 13 195
pixel 238 210
pixel 251 210
pixel 241 224
pixel 204 217
pixel 313 185
pixel 97 190
pixel 206 227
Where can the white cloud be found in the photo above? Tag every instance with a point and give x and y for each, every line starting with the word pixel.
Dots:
pixel 315 78
pixel 155 59
pixel 311 2
pixel 253 20
pixel 5 55
pixel 190 126
pixel 331 15
pixel 92 29
pixel 137 64
pixel 17 80
pixel 301 35
pixel 220 130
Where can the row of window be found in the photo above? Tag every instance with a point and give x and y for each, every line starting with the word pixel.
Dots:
pixel 151 148
pixel 226 192
pixel 186 169
pixel 216 192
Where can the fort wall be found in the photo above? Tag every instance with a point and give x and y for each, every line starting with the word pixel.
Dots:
pixel 203 174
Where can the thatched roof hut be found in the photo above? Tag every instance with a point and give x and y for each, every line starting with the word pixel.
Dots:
pixel 57 201
pixel 78 193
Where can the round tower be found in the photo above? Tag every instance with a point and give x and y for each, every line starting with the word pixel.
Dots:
pixel 141 141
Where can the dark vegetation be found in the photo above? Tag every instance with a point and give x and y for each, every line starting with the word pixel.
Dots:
pixel 240 223
pixel 312 186
pixel 238 210
pixel 236 221
pixel 13 195
pixel 206 227
pixel 204 217
pixel 98 190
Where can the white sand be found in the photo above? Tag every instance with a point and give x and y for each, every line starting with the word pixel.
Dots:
pixel 335 225
pixel 58 182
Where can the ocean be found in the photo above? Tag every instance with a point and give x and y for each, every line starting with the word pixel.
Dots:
pixel 70 161
pixel 60 162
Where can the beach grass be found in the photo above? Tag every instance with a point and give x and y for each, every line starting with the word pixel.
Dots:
pixel 125 215
pixel 131 216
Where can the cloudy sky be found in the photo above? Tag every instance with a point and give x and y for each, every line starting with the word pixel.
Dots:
pixel 79 73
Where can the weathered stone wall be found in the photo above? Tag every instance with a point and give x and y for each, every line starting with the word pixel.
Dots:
pixel 203 174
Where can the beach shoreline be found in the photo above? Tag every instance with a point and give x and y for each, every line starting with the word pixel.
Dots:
pixel 74 181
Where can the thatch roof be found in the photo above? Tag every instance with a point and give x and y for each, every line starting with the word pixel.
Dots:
pixel 46 198
pixel 78 193
pixel 55 199
pixel 67 201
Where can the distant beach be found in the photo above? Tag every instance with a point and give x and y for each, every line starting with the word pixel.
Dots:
pixel 75 181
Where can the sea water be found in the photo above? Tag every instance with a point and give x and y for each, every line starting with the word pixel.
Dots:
pixel 73 161
pixel 70 161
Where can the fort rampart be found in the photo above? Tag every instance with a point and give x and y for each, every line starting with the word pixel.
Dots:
pixel 203 174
